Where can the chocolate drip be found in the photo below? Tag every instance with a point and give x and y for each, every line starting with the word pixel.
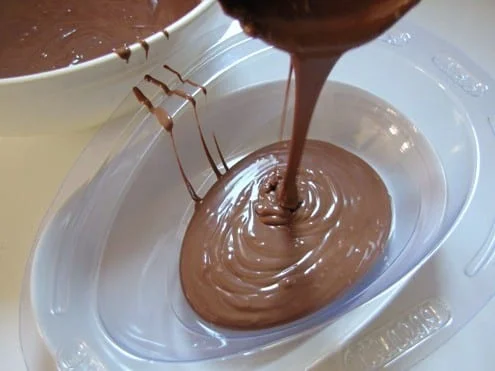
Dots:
pixel 224 163
pixel 187 81
pixel 143 99
pixel 189 98
pixel 158 83
pixel 190 188
pixel 166 34
pixel 165 120
pixel 123 52
pixel 145 46
pixel 169 91
pixel 212 163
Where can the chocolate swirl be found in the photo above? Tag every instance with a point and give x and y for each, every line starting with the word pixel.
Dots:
pixel 247 263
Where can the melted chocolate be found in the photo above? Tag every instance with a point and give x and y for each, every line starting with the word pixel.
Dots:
pixel 41 35
pixel 267 246
pixel 251 261
pixel 220 154
pixel 247 263
pixel 287 229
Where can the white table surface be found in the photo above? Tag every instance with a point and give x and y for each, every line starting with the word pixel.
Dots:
pixel 33 168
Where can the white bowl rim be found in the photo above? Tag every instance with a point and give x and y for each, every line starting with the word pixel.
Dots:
pixel 111 56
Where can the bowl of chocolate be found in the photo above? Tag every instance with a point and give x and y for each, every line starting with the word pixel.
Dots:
pixel 193 238
pixel 67 65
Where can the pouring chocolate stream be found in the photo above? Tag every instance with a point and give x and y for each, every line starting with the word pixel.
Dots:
pixel 316 33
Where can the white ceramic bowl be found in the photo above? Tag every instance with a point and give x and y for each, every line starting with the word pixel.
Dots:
pixel 85 95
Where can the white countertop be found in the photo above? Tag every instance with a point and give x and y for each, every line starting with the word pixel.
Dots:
pixel 33 168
